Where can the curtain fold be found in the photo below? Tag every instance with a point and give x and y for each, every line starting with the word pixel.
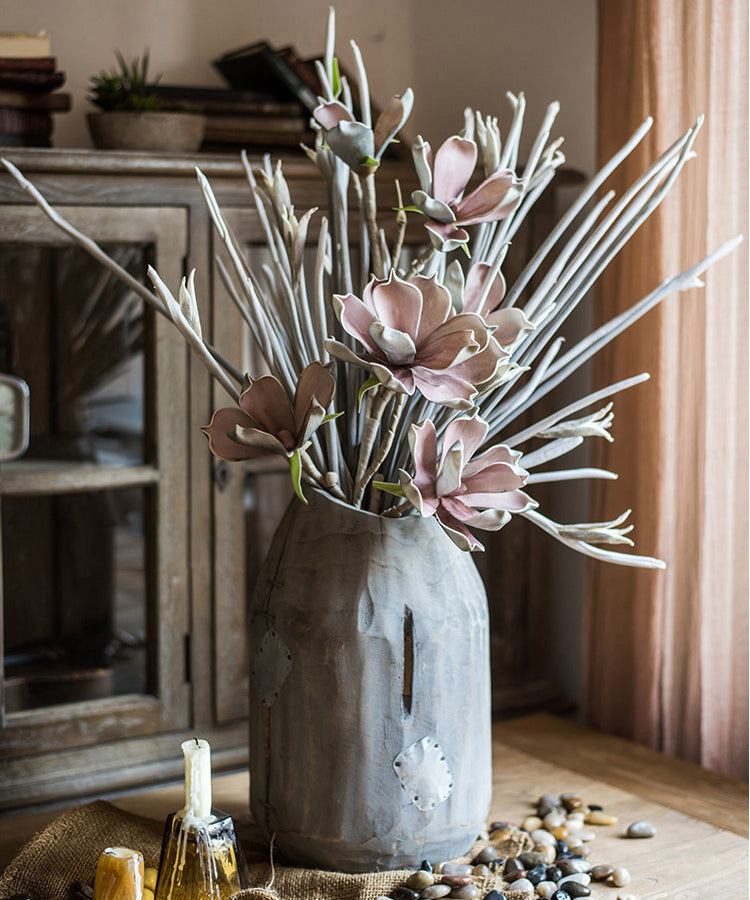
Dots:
pixel 666 652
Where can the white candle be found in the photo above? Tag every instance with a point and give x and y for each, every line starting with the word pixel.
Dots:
pixel 197 779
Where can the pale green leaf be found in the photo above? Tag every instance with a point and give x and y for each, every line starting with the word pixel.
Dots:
pixel 389 487
pixel 295 467
pixel 372 382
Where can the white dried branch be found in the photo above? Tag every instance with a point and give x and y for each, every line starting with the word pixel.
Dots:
pixel 595 425
pixel 622 559
pixel 571 475
pixel 549 452
pixel 547 422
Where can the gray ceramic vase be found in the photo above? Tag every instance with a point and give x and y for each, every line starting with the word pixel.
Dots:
pixel 370 743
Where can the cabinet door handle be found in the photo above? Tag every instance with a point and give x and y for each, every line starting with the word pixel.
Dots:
pixel 222 475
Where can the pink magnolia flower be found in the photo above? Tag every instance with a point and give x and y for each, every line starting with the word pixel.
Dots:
pixel 461 489
pixel 508 322
pixel 414 340
pixel 359 146
pixel 265 421
pixel 442 185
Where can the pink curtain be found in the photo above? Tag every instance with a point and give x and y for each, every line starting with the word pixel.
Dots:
pixel 667 652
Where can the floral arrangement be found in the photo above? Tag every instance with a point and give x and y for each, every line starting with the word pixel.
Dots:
pixel 394 380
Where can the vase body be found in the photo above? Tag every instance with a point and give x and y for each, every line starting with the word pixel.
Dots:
pixel 370 744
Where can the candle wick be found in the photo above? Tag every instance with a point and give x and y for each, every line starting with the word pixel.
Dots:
pixel 197 744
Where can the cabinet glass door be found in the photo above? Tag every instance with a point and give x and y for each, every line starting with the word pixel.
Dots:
pixel 93 517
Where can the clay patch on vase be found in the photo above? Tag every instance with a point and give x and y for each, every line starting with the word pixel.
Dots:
pixel 271 667
pixel 423 772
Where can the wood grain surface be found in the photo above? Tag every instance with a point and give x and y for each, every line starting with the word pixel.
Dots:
pixel 690 858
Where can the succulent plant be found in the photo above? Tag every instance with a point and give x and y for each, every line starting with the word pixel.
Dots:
pixel 125 89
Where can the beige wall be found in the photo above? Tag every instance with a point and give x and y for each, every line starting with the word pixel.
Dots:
pixel 451 53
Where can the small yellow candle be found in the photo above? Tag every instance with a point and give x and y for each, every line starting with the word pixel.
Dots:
pixel 119 875
pixel 197 779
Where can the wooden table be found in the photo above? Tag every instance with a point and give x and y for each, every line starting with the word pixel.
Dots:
pixel 698 853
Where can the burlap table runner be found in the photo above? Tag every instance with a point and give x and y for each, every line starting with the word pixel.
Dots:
pixel 68 850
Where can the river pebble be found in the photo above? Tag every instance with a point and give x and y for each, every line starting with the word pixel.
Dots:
pixel 571 801
pixel 571 866
pixel 494 895
pixel 546 803
pixel 641 829
pixel 620 876
pixel 599 817
pixel 512 864
pixel 487 855
pixel 537 874
pixel 455 880
pixel 542 836
pixel 449 868
pixel 419 880
pixel 404 893
pixel 467 892
pixel 546 888
pixel 576 890
pixel 435 892
pixel 531 823
pixel 554 819
pixel 481 871
pixel 601 873
pixel 577 877
pixel 560 895
pixel 523 884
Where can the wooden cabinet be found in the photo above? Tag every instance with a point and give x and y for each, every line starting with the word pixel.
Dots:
pixel 128 552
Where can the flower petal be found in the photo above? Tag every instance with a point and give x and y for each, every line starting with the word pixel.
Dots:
pixel 471 431
pixel 315 384
pixel 355 318
pixel 436 305
pixel 414 495
pixel 423 445
pixel 392 119
pixel 494 479
pixel 451 466
pixel 255 439
pixel 444 387
pixel 457 531
pixel 487 202
pixel 500 453
pixel 454 164
pixel 513 501
pixel 447 350
pixel 267 402
pixel 352 142
pixel 223 423
pixel 432 208
pixel 509 324
pixel 398 347
pixel 396 303
pixel 445 237
pixel 422 155
pixel 345 354
pixel 483 365
pixel 330 114
pixel 475 283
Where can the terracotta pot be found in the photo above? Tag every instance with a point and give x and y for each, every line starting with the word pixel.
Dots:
pixel 175 131
pixel 370 742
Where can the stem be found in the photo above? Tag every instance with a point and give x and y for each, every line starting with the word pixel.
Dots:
pixel 387 442
pixel 418 264
pixel 317 476
pixel 401 222
pixel 371 216
pixel 375 495
pixel 374 409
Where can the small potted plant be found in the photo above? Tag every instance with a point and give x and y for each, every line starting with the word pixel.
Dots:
pixel 131 117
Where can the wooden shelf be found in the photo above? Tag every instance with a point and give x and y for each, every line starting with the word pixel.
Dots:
pixel 30 478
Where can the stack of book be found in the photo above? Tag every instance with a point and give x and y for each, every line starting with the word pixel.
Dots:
pixel 240 118
pixel 29 96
